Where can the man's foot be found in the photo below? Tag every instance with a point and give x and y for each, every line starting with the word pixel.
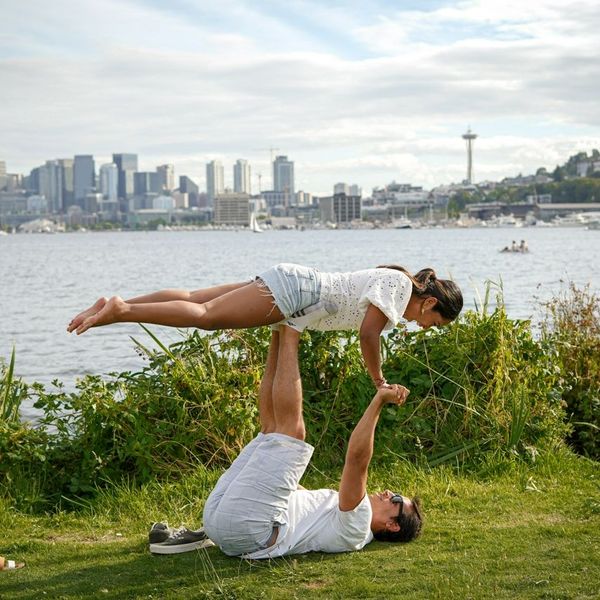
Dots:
pixel 182 540
pixel 311 314
pixel 88 312
pixel 108 314
pixel 159 532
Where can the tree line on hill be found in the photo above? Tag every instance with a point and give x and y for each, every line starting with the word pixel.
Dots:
pixel 566 185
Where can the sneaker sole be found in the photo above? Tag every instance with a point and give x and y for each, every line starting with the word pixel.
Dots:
pixel 165 549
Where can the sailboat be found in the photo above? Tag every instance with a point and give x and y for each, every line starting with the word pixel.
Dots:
pixel 254 226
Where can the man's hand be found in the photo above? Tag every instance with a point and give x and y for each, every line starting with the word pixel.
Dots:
pixel 392 394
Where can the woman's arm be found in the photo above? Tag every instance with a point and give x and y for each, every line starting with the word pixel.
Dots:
pixel 370 343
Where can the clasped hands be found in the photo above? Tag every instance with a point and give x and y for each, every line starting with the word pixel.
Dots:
pixel 393 393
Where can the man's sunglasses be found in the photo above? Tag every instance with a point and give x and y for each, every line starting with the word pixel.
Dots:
pixel 398 499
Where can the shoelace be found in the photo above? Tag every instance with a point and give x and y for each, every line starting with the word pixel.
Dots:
pixel 178 533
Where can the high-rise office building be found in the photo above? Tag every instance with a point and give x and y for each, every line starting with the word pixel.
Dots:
pixel 283 178
pixel 187 186
pixel 109 182
pixel 166 178
pixel 67 181
pixel 145 182
pixel 127 165
pixel 50 182
pixel 32 181
pixel 3 178
pixel 241 177
pixel 84 177
pixel 215 179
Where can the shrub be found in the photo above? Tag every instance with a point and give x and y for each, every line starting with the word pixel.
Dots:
pixel 571 326
pixel 194 403
pixel 483 386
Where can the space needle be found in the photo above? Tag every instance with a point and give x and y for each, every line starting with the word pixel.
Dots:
pixel 469 137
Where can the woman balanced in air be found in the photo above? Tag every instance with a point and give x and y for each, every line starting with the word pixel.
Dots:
pixel 370 301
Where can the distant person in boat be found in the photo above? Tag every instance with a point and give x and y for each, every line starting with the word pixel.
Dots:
pixel 371 301
pixel 514 246
pixel 523 247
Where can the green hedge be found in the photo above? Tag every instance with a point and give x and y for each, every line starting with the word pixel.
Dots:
pixel 572 327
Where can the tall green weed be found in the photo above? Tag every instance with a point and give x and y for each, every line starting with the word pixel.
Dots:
pixel 571 327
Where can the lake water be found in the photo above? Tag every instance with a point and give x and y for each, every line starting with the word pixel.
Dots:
pixel 46 279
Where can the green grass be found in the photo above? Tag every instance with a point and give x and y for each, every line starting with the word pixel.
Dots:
pixel 515 531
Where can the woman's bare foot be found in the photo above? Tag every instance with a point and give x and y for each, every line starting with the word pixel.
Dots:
pixel 88 312
pixel 109 314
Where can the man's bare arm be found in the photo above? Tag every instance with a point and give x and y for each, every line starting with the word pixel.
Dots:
pixel 353 485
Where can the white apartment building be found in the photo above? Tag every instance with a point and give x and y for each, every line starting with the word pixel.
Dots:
pixel 241 177
pixel 215 179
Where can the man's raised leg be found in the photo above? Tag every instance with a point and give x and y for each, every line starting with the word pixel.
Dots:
pixel 287 387
pixel 265 392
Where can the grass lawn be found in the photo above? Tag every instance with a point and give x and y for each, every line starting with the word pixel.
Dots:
pixel 511 532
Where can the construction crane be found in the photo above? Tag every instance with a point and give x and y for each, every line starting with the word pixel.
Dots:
pixel 271 149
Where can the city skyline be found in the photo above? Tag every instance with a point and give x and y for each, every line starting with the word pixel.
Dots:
pixel 358 92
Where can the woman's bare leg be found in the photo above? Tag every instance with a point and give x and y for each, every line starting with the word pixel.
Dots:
pixel 199 296
pixel 168 295
pixel 249 306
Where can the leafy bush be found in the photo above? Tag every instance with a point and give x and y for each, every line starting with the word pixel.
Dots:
pixel 572 328
pixel 483 386
pixel 194 403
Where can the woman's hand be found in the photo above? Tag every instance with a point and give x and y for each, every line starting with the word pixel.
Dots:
pixel 393 393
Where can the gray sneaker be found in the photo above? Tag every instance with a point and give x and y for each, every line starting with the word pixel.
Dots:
pixel 159 532
pixel 182 540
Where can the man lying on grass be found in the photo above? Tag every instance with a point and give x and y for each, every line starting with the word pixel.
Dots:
pixel 258 510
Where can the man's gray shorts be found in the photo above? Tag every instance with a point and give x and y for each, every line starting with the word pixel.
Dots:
pixel 252 496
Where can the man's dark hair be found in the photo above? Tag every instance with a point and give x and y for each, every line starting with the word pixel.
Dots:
pixel 410 526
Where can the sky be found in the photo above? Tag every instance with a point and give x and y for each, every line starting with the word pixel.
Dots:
pixel 358 91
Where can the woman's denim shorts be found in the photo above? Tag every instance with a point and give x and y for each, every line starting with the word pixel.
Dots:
pixel 293 286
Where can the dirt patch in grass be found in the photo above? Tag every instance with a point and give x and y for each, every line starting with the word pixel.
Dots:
pixel 86 539
pixel 317 584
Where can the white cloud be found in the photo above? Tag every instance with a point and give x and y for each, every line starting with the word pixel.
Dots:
pixel 345 95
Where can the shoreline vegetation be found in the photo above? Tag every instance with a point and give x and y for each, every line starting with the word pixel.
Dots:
pixel 500 436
